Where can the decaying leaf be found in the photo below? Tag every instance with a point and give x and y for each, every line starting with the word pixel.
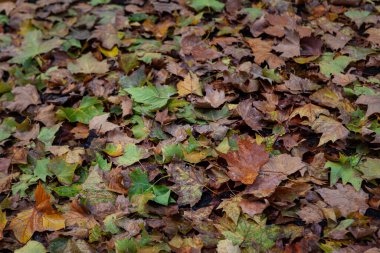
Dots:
pixel 41 218
pixel 244 164
pixel 330 129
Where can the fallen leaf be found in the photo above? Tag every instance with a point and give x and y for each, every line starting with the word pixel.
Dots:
pixel 345 199
pixel 226 246
pixel 262 52
pixel 190 85
pixel 189 183
pixel 101 125
pixel 290 45
pixel 41 218
pixel 310 111
pixel 251 116
pixel 311 214
pixel 374 36
pixel 372 101
pixel 297 84
pixel 23 97
pixel 32 247
pixel 88 64
pixel 244 164
pixel 330 129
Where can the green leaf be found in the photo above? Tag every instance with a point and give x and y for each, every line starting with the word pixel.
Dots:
pixel 171 151
pixel 330 66
pixel 357 16
pixel 153 98
pixel 71 43
pixel 88 108
pixel 68 191
pixel 7 127
pixel 110 225
pixel 41 170
pixel 162 194
pixel 199 5
pixel 62 170
pixel 140 185
pixel 139 130
pixel 47 134
pixel 32 247
pixel 33 45
pixel 253 13
pixel 127 63
pixel 212 115
pixel 103 164
pixel 25 181
pixel 346 170
pixel 249 233
pixel 98 2
pixel 139 182
pixel 131 155
pixel 88 64
pixel 3 19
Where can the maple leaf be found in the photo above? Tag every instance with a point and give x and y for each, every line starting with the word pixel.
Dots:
pixel 88 64
pixel 100 124
pixel 310 111
pixel 41 218
pixel 345 198
pixel 330 129
pixel 33 45
pixel 23 97
pixel 262 51
pixel 332 66
pixel 290 45
pixel 346 170
pixel 189 183
pixel 244 164
pixel 374 36
pixel 372 101
pixel 189 85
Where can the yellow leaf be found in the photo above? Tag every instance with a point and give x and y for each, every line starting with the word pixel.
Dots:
pixel 195 157
pixel 189 85
pixel 40 218
pixel 3 222
pixel 109 53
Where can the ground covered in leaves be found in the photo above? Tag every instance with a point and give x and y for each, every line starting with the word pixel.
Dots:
pixel 190 126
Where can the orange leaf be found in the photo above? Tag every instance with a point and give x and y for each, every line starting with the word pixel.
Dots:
pixel 244 164
pixel 41 218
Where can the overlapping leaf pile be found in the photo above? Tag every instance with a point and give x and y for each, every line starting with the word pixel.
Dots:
pixel 190 126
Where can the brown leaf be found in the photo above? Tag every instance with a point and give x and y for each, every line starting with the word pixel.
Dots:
pixel 41 218
pixel 244 164
pixel 214 97
pixel 297 84
pixel 116 181
pixel 107 34
pixel 330 129
pixel 46 115
pixel 282 165
pixel 251 116
pixel 345 198
pixel 126 105
pixel 290 45
pixel 78 215
pixel 311 46
pixel 273 173
pixel 262 51
pixel 6 181
pixel 24 96
pixel 253 207
pixel 164 117
pixel 310 214
pixel 310 111
pixel 190 85
pixel 101 125
pixel 374 36
pixel 372 101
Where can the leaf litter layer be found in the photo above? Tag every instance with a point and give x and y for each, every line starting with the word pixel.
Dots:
pixel 190 126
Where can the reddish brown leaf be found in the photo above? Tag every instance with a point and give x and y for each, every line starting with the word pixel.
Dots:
pixel 244 165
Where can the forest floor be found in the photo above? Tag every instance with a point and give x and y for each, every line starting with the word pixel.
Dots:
pixel 190 126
